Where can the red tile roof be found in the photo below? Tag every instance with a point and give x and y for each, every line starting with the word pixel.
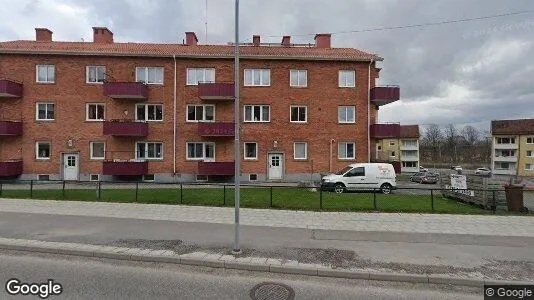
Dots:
pixel 409 131
pixel 521 126
pixel 199 51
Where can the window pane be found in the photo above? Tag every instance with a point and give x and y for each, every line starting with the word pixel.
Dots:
pixel 141 112
pixel 92 112
pixel 257 77
pixel 200 75
pixel 266 80
pixel 43 150
pixel 210 113
pixel 294 78
pixel 257 113
pixel 248 77
pixel 198 150
pixel 140 73
pixel 341 114
pixel 350 150
pixel 41 73
pixel 151 112
pixel 190 113
pixel 91 74
pixel 302 114
pixel 300 150
pixel 199 113
pixel 294 114
pixel 41 111
pixel 98 150
pixel 342 153
pixel 350 114
pixel 141 150
pixel 210 75
pixel 159 150
pixel 159 112
pixel 210 150
pixel 303 78
pixel 101 74
pixel 248 113
pixel 50 74
pixel 341 78
pixel 190 150
pixel 50 111
pixel 100 112
pixel 191 76
pixel 152 76
pixel 350 78
pixel 265 113
pixel 151 150
pixel 250 150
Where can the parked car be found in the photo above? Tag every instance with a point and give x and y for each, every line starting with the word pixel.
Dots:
pixel 424 177
pixel 483 172
pixel 422 169
pixel 365 176
pixel 456 168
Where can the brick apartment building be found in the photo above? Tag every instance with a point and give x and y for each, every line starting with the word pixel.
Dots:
pixel 104 110
pixel 513 147
pixel 397 144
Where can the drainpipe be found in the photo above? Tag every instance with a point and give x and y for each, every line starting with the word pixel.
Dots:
pixel 330 161
pixel 369 113
pixel 174 122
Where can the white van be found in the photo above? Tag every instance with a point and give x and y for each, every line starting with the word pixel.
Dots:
pixel 364 176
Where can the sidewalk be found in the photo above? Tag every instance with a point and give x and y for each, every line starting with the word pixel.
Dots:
pixel 519 226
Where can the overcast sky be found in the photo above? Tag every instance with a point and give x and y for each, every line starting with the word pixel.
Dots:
pixel 463 73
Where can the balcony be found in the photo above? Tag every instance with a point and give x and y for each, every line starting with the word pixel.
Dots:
pixel 505 158
pixel 10 168
pixel 382 95
pixel 125 167
pixel 10 89
pixel 216 168
pixel 126 90
pixel 409 147
pixel 504 171
pixel 125 128
pixel 506 146
pixel 10 128
pixel 380 131
pixel 216 91
pixel 216 129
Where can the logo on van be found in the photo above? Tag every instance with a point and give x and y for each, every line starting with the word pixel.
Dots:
pixel 383 170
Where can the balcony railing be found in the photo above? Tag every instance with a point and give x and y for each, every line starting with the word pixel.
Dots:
pixel 509 158
pixel 216 168
pixel 10 89
pixel 10 128
pixel 216 91
pixel 506 146
pixel 125 128
pixel 382 95
pixel 118 167
pixel 126 90
pixel 10 168
pixel 216 129
pixel 378 131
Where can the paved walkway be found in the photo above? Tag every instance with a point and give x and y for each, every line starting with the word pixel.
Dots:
pixel 384 222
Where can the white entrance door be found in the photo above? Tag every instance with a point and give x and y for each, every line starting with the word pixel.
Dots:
pixel 276 164
pixel 71 166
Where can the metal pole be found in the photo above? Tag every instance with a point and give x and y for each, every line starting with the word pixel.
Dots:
pixel 31 188
pixel 224 194
pixel 237 151
pixel 432 199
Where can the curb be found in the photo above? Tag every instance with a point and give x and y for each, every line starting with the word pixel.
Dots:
pixel 230 262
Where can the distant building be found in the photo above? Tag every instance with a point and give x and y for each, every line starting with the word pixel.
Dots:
pixel 512 151
pixel 397 144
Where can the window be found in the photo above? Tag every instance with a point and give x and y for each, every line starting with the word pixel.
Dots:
pixel 94 177
pixel 298 78
pixel 257 113
pixel 358 171
pixel 95 74
pixel 46 74
pixel 149 112
pixel 346 150
pixel 94 112
pixel 201 178
pixel 42 150
pixel 530 153
pixel 409 164
pixel 392 143
pixel 45 111
pixel 97 150
pixel 200 113
pixel 392 153
pixel 505 140
pixel 409 143
pixel 198 151
pixel 149 150
pixel 346 114
pixel 347 78
pixel 196 75
pixel 504 153
pixel 529 167
pixel 300 150
pixel 149 75
pixel 253 177
pixel 298 114
pixel 251 150
pixel 530 140
pixel 257 77
pixel 43 177
pixel 149 177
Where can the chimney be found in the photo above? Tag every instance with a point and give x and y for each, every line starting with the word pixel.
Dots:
pixel 256 40
pixel 286 41
pixel 191 39
pixel 102 35
pixel 43 35
pixel 322 40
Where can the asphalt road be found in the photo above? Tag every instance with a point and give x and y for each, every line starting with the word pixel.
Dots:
pixel 84 278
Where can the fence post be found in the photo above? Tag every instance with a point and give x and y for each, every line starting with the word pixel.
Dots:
pixel 181 195
pixel 136 190
pixel 494 206
pixel 224 194
pixel 374 200
pixel 432 199
pixel 271 197
pixel 320 198
pixel 63 190
pixel 31 188
pixel 1 188
pixel 99 192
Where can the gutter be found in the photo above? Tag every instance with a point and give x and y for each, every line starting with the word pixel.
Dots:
pixel 174 123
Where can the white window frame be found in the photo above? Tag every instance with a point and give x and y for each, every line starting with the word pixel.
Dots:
pixel 297 73
pixel 529 169
pixel 45 66
pixel 91 177
pixel 149 180
pixel 298 107
pixel 37 150
pixel 262 107
pixel 531 153
pixel 342 82
pixel 531 140
pixel 204 72
pixel 245 157
pixel 91 151
pixel 345 107
pixel 146 150
pixel 146 69
pixel 203 113
pixel 87 105
pixel 305 151
pixel 262 71
pixel 46 111
pixel 146 105
pixel 203 151
pixel 96 74
pixel 340 144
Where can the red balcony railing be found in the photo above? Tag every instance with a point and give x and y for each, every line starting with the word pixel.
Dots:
pixel 10 168
pixel 10 128
pixel 216 129
pixel 125 128
pixel 382 95
pixel 216 168
pixel 124 167
pixel 10 89
pixel 213 91
pixel 126 90
pixel 378 131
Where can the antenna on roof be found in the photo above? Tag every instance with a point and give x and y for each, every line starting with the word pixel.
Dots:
pixel 206 22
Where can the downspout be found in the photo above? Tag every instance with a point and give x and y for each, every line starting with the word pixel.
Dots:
pixel 330 160
pixel 369 113
pixel 174 122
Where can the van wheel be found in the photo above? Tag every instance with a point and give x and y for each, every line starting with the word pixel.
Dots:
pixel 385 188
pixel 339 188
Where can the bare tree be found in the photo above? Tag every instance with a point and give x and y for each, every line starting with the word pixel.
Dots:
pixel 451 142
pixel 433 139
pixel 471 136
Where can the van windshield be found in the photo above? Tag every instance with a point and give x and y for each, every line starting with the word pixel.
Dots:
pixel 344 170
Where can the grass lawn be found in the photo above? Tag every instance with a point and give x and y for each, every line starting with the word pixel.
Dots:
pixel 260 197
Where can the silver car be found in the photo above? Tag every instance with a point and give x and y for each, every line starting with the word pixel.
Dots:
pixel 483 172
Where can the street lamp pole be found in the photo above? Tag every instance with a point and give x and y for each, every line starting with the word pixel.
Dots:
pixel 237 156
